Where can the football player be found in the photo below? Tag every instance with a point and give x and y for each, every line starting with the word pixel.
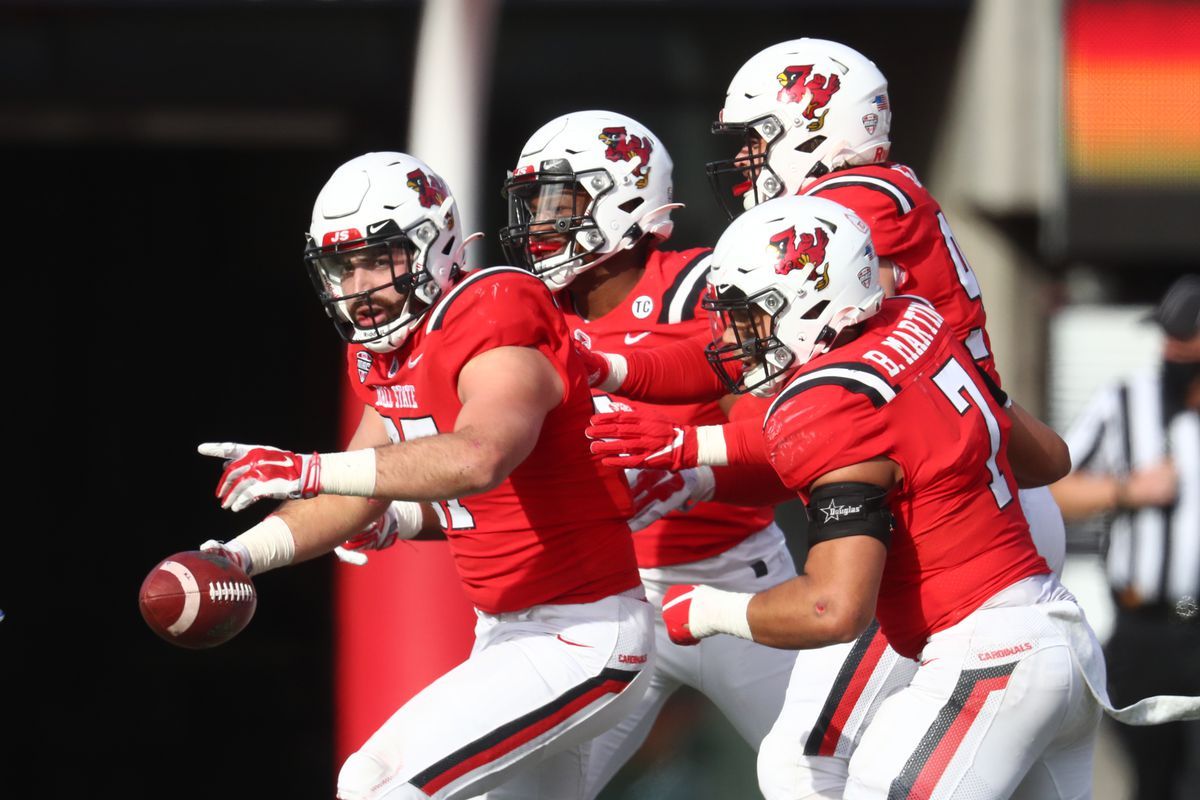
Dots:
pixel 814 118
pixel 886 426
pixel 589 205
pixel 473 403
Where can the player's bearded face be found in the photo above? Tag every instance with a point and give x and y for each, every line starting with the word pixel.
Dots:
pixel 375 281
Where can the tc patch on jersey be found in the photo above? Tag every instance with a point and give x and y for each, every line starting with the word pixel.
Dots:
pixel 643 306
pixel 363 360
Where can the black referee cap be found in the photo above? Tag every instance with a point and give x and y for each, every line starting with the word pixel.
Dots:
pixel 1178 312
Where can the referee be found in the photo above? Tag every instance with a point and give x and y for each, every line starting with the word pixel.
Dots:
pixel 1135 451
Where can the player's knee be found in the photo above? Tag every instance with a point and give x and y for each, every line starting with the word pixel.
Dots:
pixel 785 773
pixel 366 777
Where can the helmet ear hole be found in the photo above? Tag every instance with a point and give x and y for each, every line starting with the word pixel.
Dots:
pixel 816 311
pixel 449 248
pixel 810 144
pixel 629 205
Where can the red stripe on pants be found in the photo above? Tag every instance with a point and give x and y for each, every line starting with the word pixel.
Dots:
pixel 850 697
pixel 522 736
pixel 940 758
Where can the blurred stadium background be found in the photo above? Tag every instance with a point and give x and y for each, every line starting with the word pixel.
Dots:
pixel 171 150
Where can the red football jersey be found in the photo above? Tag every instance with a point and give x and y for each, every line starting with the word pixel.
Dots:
pixel 555 530
pixel 906 390
pixel 664 307
pixel 908 227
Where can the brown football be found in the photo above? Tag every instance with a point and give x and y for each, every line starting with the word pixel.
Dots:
pixel 196 599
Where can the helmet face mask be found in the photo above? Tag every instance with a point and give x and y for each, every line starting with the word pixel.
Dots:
pixel 748 179
pixel 746 354
pixel 551 229
pixel 817 106
pixel 369 283
pixel 786 278
pixel 587 185
pixel 384 243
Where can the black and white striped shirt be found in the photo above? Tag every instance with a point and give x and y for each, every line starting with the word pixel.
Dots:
pixel 1153 553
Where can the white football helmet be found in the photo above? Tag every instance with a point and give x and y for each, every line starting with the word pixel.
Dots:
pixel 387 216
pixel 817 106
pixel 785 279
pixel 587 185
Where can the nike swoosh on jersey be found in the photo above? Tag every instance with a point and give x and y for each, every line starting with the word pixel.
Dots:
pixel 634 338
pixel 412 362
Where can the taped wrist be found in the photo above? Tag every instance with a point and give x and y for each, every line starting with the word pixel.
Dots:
pixel 849 509
pixel 409 518
pixel 618 368
pixel 717 611
pixel 270 544
pixel 351 474
pixel 710 446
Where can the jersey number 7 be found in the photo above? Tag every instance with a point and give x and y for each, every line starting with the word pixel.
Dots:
pixel 963 392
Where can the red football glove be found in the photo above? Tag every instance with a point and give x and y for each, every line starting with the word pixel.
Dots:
pixel 400 520
pixel 596 364
pixel 641 440
pixel 676 611
pixel 253 472
pixel 658 492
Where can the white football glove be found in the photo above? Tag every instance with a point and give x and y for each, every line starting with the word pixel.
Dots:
pixel 253 472
pixel 262 548
pixel 657 492
pixel 232 550
pixel 400 520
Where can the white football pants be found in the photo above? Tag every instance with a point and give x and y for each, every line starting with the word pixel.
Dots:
pixel 836 691
pixel 746 681
pixel 833 696
pixel 539 684
pixel 998 708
